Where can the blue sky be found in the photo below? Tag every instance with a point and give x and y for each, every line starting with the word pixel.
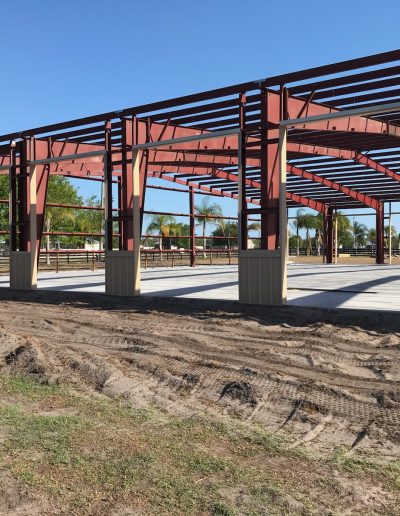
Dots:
pixel 63 60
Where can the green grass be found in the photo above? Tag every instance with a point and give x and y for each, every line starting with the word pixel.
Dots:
pixel 361 464
pixel 79 451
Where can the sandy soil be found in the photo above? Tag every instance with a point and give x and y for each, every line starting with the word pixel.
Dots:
pixel 330 379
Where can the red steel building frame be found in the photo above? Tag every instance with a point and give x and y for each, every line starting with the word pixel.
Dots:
pixel 331 165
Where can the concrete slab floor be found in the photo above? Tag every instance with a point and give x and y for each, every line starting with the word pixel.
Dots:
pixel 375 287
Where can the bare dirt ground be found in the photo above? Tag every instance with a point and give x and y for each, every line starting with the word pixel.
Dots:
pixel 326 382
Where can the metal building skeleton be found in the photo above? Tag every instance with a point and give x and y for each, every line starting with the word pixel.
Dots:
pixel 347 162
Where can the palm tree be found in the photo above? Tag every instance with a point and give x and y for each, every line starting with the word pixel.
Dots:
pixel 359 233
pixel 304 221
pixel 161 225
pixel 371 236
pixel 319 232
pixel 309 223
pixel 343 229
pixel 176 229
pixel 206 213
pixel 230 230
pixel 254 226
pixel 226 229
pixel 298 224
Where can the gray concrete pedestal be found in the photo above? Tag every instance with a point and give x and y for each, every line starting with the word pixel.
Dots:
pixel 23 270
pixel 262 277
pixel 122 270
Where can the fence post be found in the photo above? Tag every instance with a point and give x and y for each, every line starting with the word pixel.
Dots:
pixel 173 256
pixel 58 261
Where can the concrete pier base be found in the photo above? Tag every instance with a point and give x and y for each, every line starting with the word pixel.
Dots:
pixel 122 273
pixel 262 280
pixel 23 270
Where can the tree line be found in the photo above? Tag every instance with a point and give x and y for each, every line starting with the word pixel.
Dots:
pixel 351 233
pixel 59 219
pixel 206 213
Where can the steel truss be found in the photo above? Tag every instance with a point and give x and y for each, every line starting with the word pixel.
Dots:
pixel 347 162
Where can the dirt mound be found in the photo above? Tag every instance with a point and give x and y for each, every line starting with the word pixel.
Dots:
pixel 242 391
pixel 26 359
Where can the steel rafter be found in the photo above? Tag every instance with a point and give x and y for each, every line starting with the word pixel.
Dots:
pixel 353 194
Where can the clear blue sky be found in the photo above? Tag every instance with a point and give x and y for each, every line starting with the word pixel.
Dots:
pixel 68 59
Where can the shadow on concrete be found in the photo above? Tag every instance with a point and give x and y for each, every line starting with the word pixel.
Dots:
pixel 335 298
pixel 64 288
pixel 183 291
pixel 331 271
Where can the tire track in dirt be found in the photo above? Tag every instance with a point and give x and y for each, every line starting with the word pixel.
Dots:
pixel 319 380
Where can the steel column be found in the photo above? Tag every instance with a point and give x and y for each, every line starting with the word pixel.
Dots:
pixel 13 199
pixel 23 195
pixel 192 239
pixel 143 172
pixel 119 213
pixel 129 135
pixel 243 210
pixel 108 188
pixel 328 234
pixel 390 233
pixel 269 164
pixel 336 237
pixel 41 149
pixel 380 234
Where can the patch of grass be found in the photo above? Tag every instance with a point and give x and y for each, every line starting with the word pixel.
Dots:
pixel 358 464
pixel 80 451
pixel 248 438
pixel 221 509
pixel 28 389
pixel 203 463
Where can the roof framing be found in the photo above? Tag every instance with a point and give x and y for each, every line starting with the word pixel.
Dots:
pixel 350 161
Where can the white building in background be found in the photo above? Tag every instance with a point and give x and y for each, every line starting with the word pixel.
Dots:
pixel 94 246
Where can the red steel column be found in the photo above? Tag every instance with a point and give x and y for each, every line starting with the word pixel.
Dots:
pixel 23 195
pixel 380 234
pixel 130 136
pixel 13 198
pixel 30 149
pixel 243 207
pixel 143 173
pixel 192 240
pixel 126 213
pixel 108 188
pixel 42 150
pixel 119 213
pixel 328 234
pixel 269 182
